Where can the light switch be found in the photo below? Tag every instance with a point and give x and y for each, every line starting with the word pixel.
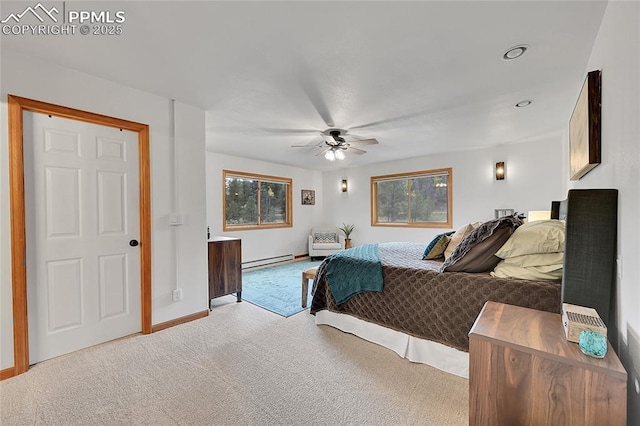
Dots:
pixel 175 219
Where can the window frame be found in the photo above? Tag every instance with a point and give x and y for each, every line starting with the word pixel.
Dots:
pixel 407 176
pixel 261 179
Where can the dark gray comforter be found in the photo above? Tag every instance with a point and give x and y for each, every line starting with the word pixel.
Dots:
pixel 423 302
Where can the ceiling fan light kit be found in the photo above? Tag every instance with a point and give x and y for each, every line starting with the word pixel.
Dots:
pixel 334 153
pixel 335 146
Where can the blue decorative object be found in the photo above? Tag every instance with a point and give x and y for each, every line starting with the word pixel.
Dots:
pixel 433 242
pixel 593 344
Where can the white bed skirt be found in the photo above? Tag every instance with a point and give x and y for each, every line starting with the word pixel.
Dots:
pixel 412 348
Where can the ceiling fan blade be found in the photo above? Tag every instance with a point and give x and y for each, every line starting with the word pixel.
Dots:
pixel 330 139
pixel 315 142
pixel 260 130
pixel 353 150
pixel 314 94
pixel 309 145
pixel 363 142
pixel 390 120
pixel 278 130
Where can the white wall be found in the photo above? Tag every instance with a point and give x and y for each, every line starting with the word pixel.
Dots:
pixel 616 52
pixel 265 243
pixel 6 315
pixel 533 180
pixel 47 82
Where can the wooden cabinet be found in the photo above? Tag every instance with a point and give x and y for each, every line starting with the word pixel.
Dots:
pixel 225 267
pixel 523 371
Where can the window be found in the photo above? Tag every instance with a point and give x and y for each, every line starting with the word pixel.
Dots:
pixel 417 199
pixel 256 201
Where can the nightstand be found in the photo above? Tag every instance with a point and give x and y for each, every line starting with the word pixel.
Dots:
pixel 522 370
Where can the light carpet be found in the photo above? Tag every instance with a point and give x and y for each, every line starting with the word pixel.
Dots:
pixel 277 288
pixel 242 365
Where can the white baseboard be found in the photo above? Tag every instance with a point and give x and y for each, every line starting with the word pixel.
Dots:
pixel 267 261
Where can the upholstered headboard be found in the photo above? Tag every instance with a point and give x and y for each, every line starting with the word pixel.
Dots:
pixel 590 248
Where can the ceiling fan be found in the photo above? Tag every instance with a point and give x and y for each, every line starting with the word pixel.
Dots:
pixel 335 145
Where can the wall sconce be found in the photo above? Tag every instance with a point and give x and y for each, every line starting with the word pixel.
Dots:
pixel 343 185
pixel 500 170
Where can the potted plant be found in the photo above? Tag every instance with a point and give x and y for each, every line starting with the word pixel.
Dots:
pixel 347 229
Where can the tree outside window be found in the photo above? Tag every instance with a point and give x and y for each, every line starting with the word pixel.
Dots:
pixel 256 201
pixel 416 199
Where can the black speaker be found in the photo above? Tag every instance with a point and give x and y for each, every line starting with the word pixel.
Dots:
pixel 591 249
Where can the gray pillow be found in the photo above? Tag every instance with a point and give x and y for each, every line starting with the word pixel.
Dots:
pixel 476 253
pixel 325 237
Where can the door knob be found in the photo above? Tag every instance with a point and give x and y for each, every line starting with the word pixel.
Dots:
pixel 133 243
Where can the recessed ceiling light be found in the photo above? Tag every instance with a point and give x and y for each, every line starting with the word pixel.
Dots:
pixel 515 52
pixel 523 104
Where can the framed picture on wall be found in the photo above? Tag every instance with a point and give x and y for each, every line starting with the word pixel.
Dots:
pixel 584 128
pixel 308 197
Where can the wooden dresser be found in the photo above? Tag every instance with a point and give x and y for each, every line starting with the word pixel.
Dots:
pixel 523 371
pixel 225 267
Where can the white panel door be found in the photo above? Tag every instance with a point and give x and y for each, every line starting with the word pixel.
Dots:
pixel 82 202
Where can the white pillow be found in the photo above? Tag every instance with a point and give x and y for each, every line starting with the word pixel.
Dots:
pixel 537 259
pixel 549 272
pixel 541 236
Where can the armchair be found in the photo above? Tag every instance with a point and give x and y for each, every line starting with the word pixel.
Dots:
pixel 324 241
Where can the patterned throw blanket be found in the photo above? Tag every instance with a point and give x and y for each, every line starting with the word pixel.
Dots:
pixel 353 271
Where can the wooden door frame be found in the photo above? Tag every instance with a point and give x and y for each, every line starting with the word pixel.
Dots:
pixel 17 105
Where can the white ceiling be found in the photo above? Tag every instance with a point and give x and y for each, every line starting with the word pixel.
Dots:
pixel 420 77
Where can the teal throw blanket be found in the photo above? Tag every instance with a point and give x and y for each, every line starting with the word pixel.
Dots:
pixel 353 271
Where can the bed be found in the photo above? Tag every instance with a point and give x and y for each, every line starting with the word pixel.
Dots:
pixel 425 315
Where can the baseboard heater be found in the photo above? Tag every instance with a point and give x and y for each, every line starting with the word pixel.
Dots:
pixel 267 261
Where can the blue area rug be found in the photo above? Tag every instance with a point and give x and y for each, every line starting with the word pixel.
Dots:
pixel 277 288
